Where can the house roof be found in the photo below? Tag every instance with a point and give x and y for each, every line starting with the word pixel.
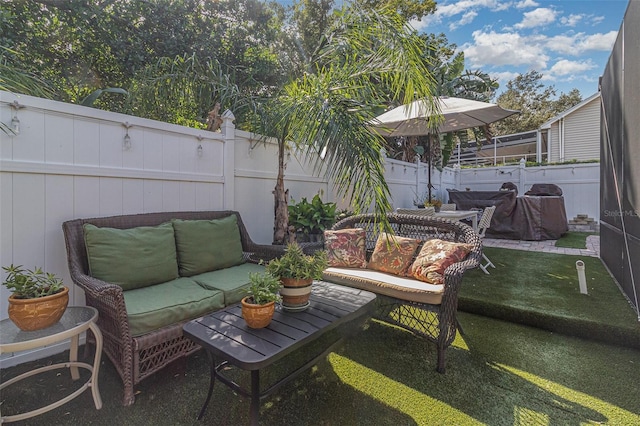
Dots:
pixel 548 123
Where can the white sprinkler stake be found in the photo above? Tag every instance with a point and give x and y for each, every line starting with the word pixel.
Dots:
pixel 582 281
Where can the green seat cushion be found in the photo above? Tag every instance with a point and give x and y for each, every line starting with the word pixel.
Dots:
pixel 207 245
pixel 231 281
pixel 132 258
pixel 153 307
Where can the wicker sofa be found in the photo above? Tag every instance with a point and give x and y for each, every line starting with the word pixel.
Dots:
pixel 427 310
pixel 141 334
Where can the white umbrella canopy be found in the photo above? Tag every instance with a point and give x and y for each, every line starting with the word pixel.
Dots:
pixel 417 118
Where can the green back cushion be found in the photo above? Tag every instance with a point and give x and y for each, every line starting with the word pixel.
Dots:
pixel 132 258
pixel 207 245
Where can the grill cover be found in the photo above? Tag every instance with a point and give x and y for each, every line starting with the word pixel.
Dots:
pixel 517 218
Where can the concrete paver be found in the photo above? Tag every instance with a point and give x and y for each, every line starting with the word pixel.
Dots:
pixel 547 246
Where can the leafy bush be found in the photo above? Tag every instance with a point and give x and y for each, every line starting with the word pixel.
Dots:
pixel 312 217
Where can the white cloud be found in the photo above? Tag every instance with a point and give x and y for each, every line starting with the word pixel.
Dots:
pixel 420 25
pixel 579 43
pixel 467 8
pixel 496 49
pixel 526 3
pixel 504 77
pixel 572 20
pixel 537 18
pixel 563 43
pixel 548 78
pixel 598 41
pixel 499 6
pixel 467 18
pixel 565 67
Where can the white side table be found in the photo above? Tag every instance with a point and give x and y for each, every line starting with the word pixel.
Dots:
pixel 73 323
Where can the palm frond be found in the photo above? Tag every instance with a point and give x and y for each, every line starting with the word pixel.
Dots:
pixel 368 59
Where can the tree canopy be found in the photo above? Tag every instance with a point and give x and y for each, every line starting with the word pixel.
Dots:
pixel 79 46
pixel 535 101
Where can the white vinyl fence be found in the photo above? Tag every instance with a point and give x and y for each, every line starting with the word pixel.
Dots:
pixel 580 183
pixel 70 161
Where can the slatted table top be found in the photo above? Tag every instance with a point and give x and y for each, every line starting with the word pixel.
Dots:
pixel 226 335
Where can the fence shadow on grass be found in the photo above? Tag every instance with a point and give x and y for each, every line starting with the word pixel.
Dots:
pixel 474 387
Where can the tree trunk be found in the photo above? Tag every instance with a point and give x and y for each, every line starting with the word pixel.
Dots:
pixel 281 201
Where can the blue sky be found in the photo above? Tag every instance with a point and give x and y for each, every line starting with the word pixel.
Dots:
pixel 568 41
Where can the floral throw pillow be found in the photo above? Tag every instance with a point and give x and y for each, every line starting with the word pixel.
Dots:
pixel 346 248
pixel 393 254
pixel 436 256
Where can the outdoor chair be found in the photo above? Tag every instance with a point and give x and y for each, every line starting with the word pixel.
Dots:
pixel 427 211
pixel 483 225
pixel 448 207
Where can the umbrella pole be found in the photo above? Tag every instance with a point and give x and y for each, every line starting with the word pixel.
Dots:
pixel 429 171
pixel 417 160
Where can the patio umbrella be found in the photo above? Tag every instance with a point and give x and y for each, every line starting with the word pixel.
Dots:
pixel 447 115
pixel 457 114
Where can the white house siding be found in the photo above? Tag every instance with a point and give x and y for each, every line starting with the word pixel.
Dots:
pixel 581 133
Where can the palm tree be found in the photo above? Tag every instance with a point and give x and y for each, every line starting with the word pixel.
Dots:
pixel 183 89
pixel 13 78
pixel 367 59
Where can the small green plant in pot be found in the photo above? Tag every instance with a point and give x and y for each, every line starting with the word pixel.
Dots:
pixel 311 219
pixel 38 299
pixel 297 271
pixel 259 305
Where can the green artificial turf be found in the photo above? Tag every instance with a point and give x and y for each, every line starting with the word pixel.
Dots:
pixel 541 289
pixel 499 373
pixel 576 240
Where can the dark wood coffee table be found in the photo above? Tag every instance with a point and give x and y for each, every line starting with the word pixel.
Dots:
pixel 227 339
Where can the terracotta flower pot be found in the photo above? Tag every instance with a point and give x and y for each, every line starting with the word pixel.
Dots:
pixel 38 313
pixel 295 292
pixel 257 316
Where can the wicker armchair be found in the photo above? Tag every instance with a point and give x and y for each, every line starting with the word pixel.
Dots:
pixel 437 323
pixel 136 358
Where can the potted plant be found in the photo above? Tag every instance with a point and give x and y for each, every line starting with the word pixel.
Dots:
pixel 434 202
pixel 38 299
pixel 297 271
pixel 310 219
pixel 258 307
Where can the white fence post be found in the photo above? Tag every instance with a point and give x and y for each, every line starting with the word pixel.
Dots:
pixel 229 133
pixel 523 176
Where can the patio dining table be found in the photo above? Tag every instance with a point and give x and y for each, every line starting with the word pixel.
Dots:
pixel 460 215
